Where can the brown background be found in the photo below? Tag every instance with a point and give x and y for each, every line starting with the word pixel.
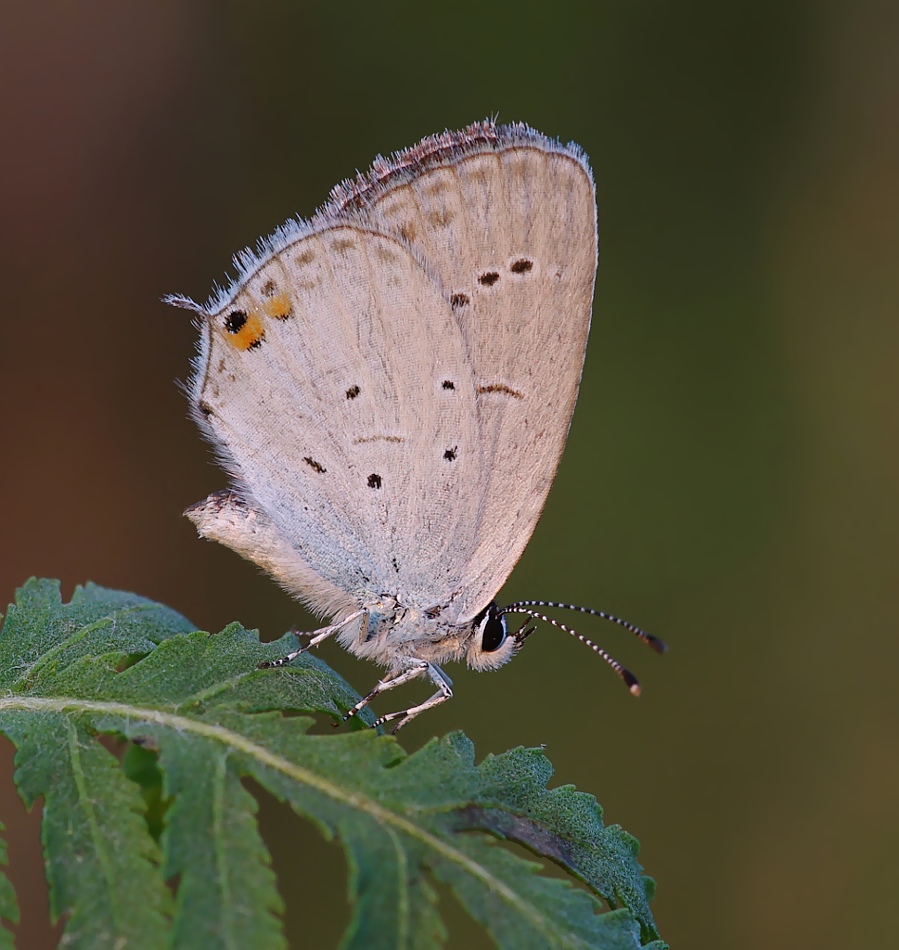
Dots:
pixel 730 479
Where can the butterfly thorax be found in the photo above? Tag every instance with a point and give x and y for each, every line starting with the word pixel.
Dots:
pixel 392 634
pixel 401 637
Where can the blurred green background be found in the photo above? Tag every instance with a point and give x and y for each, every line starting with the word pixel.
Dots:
pixel 730 479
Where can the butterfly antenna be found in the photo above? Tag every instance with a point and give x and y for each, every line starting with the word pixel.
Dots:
pixel 625 675
pixel 651 641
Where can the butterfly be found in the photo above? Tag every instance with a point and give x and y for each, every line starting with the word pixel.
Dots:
pixel 390 386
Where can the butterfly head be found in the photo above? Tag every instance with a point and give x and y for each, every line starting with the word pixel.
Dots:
pixel 491 644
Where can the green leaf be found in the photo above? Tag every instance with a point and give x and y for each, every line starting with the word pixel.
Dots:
pixel 163 849
pixel 9 908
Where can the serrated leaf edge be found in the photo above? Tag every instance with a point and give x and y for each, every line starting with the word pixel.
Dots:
pixel 390 820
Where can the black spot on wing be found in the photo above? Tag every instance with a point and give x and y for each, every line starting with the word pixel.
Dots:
pixel 235 321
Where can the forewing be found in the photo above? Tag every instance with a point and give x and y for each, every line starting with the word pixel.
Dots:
pixel 506 220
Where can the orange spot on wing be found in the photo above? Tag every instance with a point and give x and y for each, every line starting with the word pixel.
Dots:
pixel 249 335
pixel 278 307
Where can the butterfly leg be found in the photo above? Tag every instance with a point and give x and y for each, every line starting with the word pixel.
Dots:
pixel 444 692
pixel 390 680
pixel 317 637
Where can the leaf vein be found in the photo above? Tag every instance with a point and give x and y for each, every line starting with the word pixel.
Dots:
pixel 90 812
pixel 384 816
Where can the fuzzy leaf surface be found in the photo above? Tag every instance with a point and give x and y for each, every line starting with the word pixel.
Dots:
pixel 9 907
pixel 200 718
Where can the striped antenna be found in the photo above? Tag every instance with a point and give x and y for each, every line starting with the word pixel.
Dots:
pixel 651 641
pixel 625 675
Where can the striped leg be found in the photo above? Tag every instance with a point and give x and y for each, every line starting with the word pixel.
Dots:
pixel 444 692
pixel 317 637
pixel 390 680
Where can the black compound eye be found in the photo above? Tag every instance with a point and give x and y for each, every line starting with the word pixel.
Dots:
pixel 493 629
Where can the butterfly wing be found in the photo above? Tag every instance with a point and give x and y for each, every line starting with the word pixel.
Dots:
pixel 323 382
pixel 391 384
pixel 506 220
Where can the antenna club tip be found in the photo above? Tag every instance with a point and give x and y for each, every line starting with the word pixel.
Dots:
pixel 630 681
pixel 658 645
